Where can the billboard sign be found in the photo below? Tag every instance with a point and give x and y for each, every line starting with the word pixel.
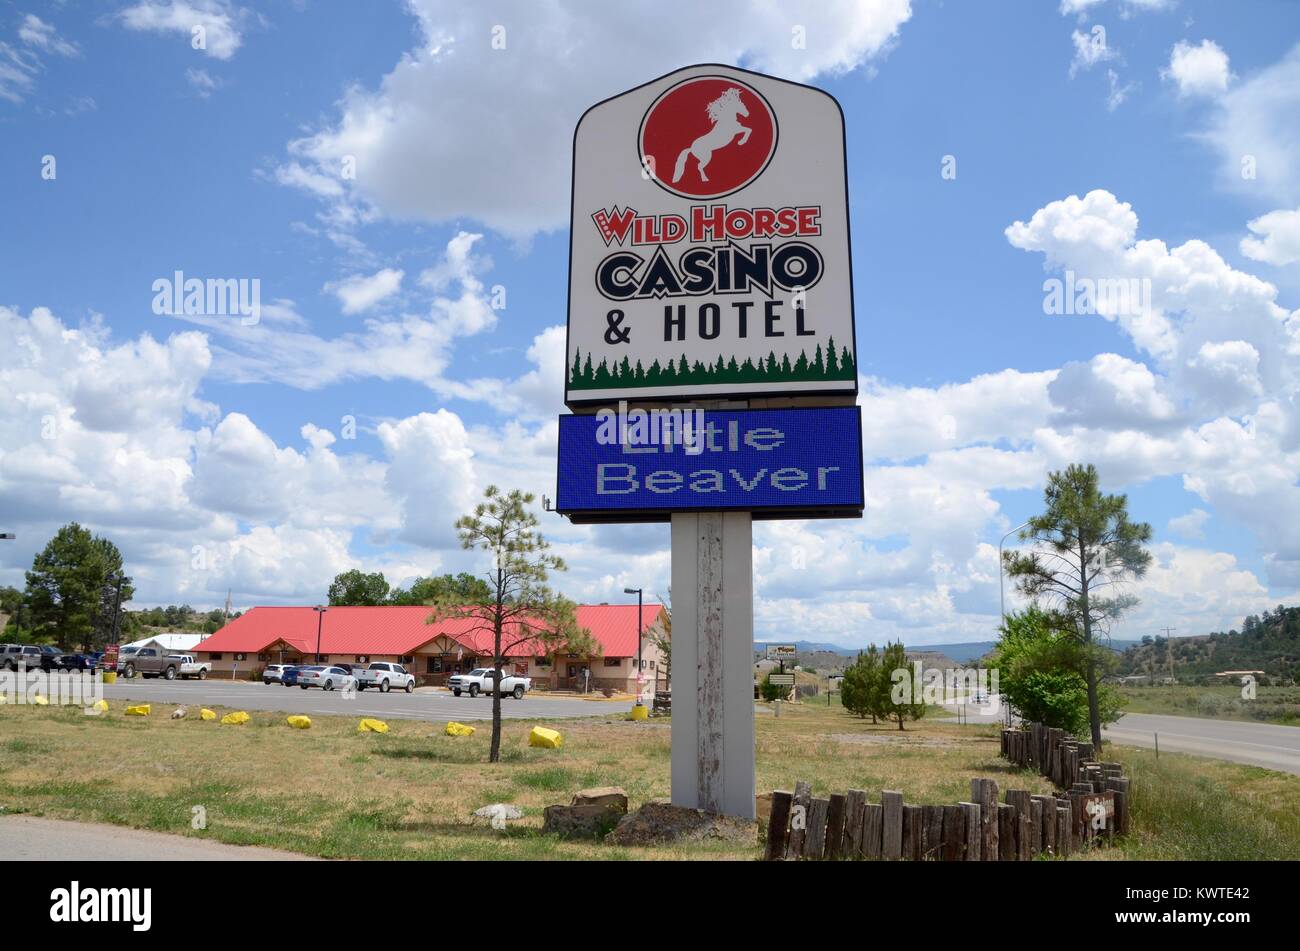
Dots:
pixel 782 652
pixel 709 242
pixel 775 463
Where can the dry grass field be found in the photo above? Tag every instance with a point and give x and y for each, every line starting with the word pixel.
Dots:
pixel 332 792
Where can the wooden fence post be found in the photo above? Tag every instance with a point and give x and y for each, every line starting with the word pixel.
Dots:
pixel 854 801
pixel 815 844
pixel 835 827
pixel 799 819
pixel 985 792
pixel 873 824
pixel 954 833
pixel 1047 818
pixel 913 827
pixel 974 832
pixel 776 825
pixel 931 833
pixel 1063 830
pixel 1006 833
pixel 892 834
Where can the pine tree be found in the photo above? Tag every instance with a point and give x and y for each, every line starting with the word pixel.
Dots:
pixel 832 365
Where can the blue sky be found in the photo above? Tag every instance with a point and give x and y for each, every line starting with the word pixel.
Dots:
pixel 218 456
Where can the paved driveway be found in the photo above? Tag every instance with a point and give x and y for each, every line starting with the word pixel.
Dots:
pixel 426 703
pixel 29 838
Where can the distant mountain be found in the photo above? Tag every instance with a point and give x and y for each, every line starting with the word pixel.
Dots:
pixel 965 653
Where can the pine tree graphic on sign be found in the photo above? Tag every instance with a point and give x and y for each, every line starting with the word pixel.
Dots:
pixel 833 364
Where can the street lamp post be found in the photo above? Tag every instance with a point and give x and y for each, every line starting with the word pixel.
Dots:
pixel 1002 598
pixel 320 622
pixel 637 592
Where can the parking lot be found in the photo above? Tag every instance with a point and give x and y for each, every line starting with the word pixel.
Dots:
pixel 426 703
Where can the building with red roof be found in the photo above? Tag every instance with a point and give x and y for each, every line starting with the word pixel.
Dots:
pixel 401 634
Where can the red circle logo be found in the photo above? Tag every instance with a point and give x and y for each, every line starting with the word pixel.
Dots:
pixel 707 137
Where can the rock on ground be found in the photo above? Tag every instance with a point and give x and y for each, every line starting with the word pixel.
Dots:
pixel 659 822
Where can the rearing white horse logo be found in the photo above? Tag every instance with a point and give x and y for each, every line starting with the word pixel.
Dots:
pixel 726 126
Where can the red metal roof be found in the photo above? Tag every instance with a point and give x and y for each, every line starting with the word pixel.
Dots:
pixel 402 630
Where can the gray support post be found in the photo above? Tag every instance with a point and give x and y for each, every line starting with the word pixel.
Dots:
pixel 713 637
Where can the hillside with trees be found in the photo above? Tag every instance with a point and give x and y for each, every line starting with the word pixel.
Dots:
pixel 1269 642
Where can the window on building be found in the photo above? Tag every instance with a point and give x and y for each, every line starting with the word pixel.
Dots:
pixel 433 665
pixel 241 657
pixel 613 661
pixel 543 662
pixel 263 657
pixel 652 665
pixel 214 655
pixel 407 658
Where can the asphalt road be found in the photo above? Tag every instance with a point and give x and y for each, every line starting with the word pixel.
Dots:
pixel 31 839
pixel 1259 744
pixel 426 703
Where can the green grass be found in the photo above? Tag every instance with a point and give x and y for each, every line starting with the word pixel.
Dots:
pixel 1280 705
pixel 1192 809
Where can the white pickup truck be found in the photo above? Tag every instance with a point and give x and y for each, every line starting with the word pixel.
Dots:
pixel 384 676
pixel 480 681
pixel 192 667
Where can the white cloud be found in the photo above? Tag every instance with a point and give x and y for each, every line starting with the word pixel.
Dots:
pixel 204 83
pixel 40 35
pixel 422 153
pixel 360 293
pixel 1111 392
pixel 1253 129
pixel 1277 238
pixel 216 23
pixel 1190 526
pixel 20 65
pixel 1090 49
pixel 1198 70
pixel 411 346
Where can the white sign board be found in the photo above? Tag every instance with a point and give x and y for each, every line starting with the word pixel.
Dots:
pixel 781 651
pixel 781 680
pixel 709 242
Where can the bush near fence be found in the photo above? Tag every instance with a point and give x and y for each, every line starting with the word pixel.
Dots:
pixel 1091 809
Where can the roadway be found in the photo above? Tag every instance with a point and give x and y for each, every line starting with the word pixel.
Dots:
pixel 426 703
pixel 1258 744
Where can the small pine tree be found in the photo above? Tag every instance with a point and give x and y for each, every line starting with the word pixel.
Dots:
pixel 898 706
pixel 832 363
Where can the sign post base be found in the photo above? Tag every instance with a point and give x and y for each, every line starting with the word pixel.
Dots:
pixel 713 667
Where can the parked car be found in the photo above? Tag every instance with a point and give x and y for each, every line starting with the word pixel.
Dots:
pixel 271 674
pixel 191 666
pixel 385 676
pixel 32 656
pixel 479 681
pixel 327 678
pixel 289 676
pixel 151 662
pixel 88 662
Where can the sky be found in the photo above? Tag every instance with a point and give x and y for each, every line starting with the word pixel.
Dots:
pixel 396 178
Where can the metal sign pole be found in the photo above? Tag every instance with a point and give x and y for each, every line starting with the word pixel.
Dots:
pixel 713 637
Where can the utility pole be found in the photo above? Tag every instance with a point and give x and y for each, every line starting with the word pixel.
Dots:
pixel 1169 649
